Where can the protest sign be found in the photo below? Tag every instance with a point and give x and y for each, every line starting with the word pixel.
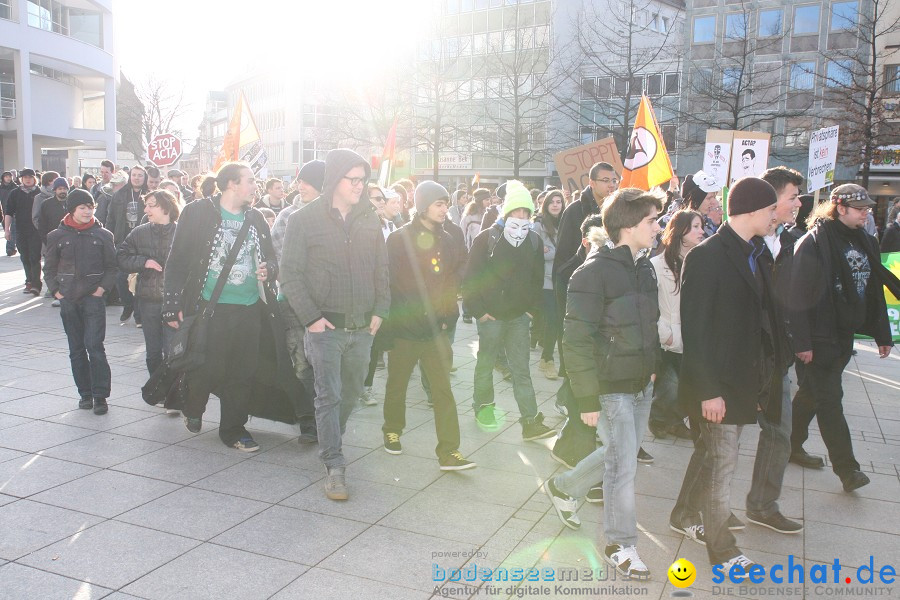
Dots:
pixel 574 164
pixel 822 158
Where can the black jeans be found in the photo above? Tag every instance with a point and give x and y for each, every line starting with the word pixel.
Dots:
pixel 576 440
pixel 434 358
pixel 664 411
pixel 29 246
pixel 821 395
pixel 157 335
pixel 231 358
pixel 85 323
pixel 551 325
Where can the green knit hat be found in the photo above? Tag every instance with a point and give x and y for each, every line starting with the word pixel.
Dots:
pixel 517 196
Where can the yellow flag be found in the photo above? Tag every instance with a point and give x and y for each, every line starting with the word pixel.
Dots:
pixel 647 162
pixel 242 141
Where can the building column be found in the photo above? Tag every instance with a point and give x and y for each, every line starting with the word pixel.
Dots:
pixel 109 119
pixel 24 132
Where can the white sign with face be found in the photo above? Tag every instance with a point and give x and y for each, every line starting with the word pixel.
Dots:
pixel 749 158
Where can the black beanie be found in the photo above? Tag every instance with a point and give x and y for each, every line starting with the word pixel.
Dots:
pixel 501 191
pixel 750 194
pixel 313 173
pixel 77 197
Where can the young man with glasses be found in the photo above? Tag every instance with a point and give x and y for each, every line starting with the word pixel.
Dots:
pixel 335 278
pixel 835 293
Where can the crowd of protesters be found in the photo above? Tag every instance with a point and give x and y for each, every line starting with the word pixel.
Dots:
pixel 663 315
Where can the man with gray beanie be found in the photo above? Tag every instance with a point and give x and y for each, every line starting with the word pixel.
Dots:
pixel 335 278
pixel 731 366
pixel 424 267
pixel 80 266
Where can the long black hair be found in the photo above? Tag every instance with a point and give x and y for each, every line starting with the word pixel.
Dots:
pixel 549 222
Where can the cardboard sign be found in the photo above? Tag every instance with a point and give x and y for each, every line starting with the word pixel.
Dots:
pixel 574 165
pixel 823 145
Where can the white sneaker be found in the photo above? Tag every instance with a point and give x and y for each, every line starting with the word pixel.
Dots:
pixel 367 398
pixel 741 560
pixel 626 561
pixel 564 504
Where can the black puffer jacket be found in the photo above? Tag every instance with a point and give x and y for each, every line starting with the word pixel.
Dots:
pixel 610 338
pixel 78 262
pixel 147 242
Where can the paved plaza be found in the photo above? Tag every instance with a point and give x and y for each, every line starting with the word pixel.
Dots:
pixel 132 505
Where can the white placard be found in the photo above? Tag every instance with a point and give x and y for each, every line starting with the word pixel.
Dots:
pixel 749 157
pixel 823 145
pixel 715 161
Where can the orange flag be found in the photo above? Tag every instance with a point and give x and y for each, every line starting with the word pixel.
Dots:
pixel 647 162
pixel 231 142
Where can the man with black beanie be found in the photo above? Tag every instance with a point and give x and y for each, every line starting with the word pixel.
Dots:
pixel 731 364
pixel 19 206
pixel 7 185
pixel 835 293
pixel 424 269
pixel 309 186
pixel 335 278
pixel 80 266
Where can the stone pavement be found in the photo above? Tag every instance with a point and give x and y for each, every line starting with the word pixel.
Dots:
pixel 132 505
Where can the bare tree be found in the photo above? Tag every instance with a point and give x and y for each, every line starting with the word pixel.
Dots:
pixel 129 116
pixel 738 84
pixel 613 45
pixel 510 98
pixel 163 104
pixel 857 81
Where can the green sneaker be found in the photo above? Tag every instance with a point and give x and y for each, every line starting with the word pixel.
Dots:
pixel 486 417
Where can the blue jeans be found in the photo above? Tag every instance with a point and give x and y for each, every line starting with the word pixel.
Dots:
pixel 772 454
pixel 84 321
pixel 512 335
pixel 11 242
pixel 157 335
pixel 339 360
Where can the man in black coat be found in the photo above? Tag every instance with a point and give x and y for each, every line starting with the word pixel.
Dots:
pixel 836 291
pixel 731 364
pixel 424 266
pixel 890 241
pixel 604 182
pixel 125 211
pixel 206 232
pixel 80 267
pixel 19 207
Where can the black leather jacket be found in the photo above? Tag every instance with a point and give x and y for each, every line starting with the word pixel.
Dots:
pixel 146 242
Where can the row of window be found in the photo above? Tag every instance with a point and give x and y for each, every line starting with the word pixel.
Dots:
pixel 510 40
pixel 651 84
pixel 453 7
pixel 49 73
pixel 485 88
pixel 269 120
pixel 592 133
pixel 314 150
pixel 844 17
pixel 801 76
pixel 493 138
pixel 50 15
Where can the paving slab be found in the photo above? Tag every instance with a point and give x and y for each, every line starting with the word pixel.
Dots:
pixel 19 581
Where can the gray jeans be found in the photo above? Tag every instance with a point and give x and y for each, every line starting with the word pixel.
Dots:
pixel 339 360
pixel 721 453
pixel 772 454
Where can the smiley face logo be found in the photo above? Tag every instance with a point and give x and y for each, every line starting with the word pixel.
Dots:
pixel 682 573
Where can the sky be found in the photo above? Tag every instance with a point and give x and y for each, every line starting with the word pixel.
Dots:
pixel 202 45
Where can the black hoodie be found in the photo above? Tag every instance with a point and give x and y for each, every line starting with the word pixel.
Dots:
pixel 333 267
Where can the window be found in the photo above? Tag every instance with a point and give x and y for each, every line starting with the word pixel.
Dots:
pixel 669 133
pixel 479 43
pixel 803 76
pixel 704 30
pixel 892 79
pixel 467 6
pixel 452 6
pixel 672 86
pixel 495 41
pixel 587 135
pixel 664 25
pixel 806 20
pixel 770 22
pixel 654 84
pixel 588 88
pixel 637 85
pixel 5 11
pixel 731 80
pixel 493 87
pixel 736 26
pixel 603 87
pixel 509 40
pixel 86 26
pixel 542 36
pixel 481 4
pixel 839 74
pixel 843 16
pixel 703 81
pixel 621 88
pixel 309 151
pixel 48 15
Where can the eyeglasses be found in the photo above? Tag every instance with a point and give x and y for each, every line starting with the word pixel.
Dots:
pixel 355 181
pixel 607 180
